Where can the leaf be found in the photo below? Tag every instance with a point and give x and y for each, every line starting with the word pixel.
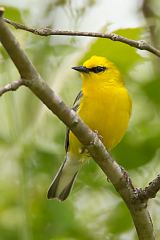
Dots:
pixel 135 154
pixel 120 221
pixel 13 13
pixel 151 89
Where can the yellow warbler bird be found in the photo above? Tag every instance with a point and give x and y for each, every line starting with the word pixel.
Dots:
pixel 105 106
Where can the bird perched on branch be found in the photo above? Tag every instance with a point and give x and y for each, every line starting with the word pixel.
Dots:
pixel 105 106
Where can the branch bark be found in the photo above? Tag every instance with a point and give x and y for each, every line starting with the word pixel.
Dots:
pixel 150 191
pixel 89 139
pixel 11 87
pixel 141 44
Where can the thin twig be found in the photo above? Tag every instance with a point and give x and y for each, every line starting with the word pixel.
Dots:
pixel 150 191
pixel 140 44
pixel 11 87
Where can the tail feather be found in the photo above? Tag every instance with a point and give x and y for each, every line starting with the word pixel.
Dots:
pixel 64 180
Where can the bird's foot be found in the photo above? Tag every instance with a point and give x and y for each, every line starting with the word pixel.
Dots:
pixel 99 135
pixel 85 151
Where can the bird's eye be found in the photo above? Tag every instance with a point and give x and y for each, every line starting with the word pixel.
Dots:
pixel 97 69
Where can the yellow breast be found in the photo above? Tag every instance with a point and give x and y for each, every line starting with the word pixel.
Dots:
pixel 107 111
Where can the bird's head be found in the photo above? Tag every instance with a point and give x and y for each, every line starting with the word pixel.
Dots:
pixel 99 70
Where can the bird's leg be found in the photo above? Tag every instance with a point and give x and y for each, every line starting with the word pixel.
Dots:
pixel 84 150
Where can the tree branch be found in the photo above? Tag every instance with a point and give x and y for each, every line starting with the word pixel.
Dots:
pixel 11 87
pixel 140 44
pixel 88 138
pixel 150 191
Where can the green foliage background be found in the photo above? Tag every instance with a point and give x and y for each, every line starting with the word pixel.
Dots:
pixel 32 139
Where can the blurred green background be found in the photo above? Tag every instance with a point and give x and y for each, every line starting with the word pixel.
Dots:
pixel 32 139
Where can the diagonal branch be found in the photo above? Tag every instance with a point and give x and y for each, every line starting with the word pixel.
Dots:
pixel 11 87
pixel 140 44
pixel 88 138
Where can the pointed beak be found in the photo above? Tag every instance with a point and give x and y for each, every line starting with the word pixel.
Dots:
pixel 81 69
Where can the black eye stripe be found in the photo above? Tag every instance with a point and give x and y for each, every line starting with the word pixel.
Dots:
pixel 97 69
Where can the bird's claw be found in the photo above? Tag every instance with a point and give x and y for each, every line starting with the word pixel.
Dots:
pixel 99 136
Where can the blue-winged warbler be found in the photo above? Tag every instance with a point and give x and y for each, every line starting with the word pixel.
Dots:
pixel 105 106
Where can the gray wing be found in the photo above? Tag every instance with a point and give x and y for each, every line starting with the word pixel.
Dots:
pixel 75 108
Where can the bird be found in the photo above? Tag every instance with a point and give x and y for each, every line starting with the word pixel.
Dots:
pixel 105 106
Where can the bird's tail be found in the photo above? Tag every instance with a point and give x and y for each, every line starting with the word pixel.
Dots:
pixel 64 179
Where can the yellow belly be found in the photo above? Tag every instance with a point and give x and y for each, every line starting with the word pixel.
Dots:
pixel 107 113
